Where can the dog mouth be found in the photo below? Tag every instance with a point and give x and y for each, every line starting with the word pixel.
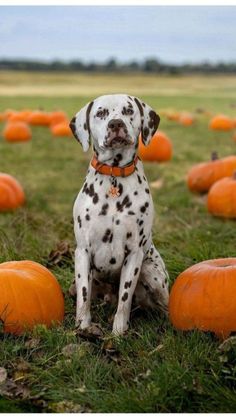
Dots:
pixel 118 142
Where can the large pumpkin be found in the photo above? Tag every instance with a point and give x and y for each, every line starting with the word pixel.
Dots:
pixel 61 129
pixel 221 199
pixel 11 193
pixel 17 131
pixel 159 149
pixel 29 295
pixel 221 123
pixel 202 176
pixel 203 297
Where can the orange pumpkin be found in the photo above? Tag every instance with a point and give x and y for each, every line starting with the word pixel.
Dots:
pixel 29 295
pixel 221 199
pixel 20 116
pixel 186 119
pixel 173 115
pixel 203 297
pixel 221 123
pixel 8 113
pixel 159 149
pixel 17 132
pixel 61 129
pixel 40 118
pixel 202 176
pixel 57 116
pixel 2 116
pixel 11 193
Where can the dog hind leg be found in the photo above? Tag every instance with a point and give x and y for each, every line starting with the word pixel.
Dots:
pixel 155 276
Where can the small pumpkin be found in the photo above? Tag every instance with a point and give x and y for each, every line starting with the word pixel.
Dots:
pixel 61 129
pixel 173 115
pixel 2 116
pixel 203 297
pixel 159 149
pixel 221 123
pixel 186 119
pixel 202 176
pixel 39 118
pixel 11 193
pixel 221 199
pixel 29 295
pixel 57 116
pixel 17 131
pixel 22 115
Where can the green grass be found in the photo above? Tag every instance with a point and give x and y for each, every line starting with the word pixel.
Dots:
pixel 154 368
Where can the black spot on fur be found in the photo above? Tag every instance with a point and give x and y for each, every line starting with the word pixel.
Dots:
pixel 131 213
pixel 89 190
pixel 95 198
pixel 104 209
pixel 117 222
pixel 147 191
pixel 120 187
pixel 87 217
pixel 144 207
pixel 84 293
pixel 112 261
pixel 125 296
pixel 126 203
pixel 127 251
pixel 128 235
pixel 136 193
pixel 136 271
pixel 107 236
pixel 139 179
pixel 79 221
pixel 128 284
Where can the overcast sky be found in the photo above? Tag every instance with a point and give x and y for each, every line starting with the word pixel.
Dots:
pixel 170 33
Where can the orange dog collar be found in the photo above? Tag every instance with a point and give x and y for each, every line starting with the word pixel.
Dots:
pixel 115 171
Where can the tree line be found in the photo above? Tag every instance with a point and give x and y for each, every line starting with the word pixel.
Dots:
pixel 151 65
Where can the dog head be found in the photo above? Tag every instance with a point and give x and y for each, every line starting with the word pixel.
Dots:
pixel 114 121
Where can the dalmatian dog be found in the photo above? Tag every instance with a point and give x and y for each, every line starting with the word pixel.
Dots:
pixel 113 212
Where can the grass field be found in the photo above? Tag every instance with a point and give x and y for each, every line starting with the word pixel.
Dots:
pixel 154 368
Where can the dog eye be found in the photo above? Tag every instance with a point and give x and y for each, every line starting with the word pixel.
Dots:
pixel 100 114
pixel 129 111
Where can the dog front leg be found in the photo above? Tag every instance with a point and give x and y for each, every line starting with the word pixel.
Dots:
pixel 83 280
pixel 128 281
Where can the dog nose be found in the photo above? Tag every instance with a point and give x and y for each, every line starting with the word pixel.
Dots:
pixel 116 124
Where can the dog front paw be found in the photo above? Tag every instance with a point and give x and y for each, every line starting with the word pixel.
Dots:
pixel 120 325
pixel 83 323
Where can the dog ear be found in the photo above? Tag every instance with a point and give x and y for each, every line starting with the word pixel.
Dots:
pixel 80 126
pixel 149 121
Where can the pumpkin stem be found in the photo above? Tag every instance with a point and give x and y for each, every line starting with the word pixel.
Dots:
pixel 214 155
